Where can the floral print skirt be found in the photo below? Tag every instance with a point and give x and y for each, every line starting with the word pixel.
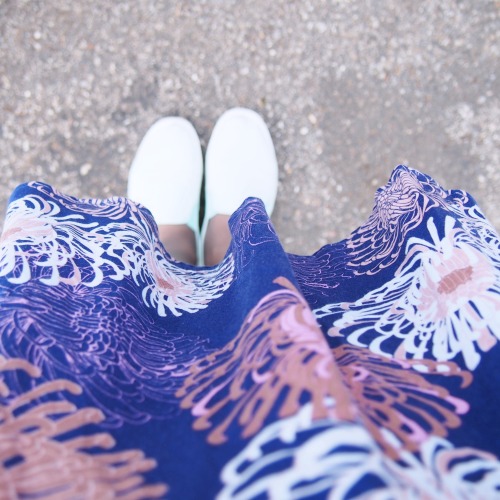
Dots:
pixel 369 369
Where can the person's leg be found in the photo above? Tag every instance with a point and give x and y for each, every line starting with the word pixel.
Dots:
pixel 165 177
pixel 217 239
pixel 240 162
pixel 180 242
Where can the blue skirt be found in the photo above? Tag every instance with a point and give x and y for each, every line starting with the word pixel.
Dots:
pixel 369 369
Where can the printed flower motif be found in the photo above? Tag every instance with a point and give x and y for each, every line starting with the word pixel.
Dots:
pixel 299 457
pixel 318 274
pixel 45 241
pixel 113 208
pixel 303 457
pixel 38 461
pixel 127 361
pixel 250 227
pixel 391 394
pixel 440 470
pixel 443 301
pixel 277 361
pixel 38 239
pixel 400 206
pixel 188 290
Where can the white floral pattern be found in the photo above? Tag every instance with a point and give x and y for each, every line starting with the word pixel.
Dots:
pixel 298 457
pixel 249 395
pixel 443 301
pixel 45 241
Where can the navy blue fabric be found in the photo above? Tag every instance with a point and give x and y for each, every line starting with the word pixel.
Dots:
pixel 369 368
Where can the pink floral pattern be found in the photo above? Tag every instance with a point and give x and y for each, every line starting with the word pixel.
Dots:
pixel 368 370
pixel 38 462
pixel 399 207
pixel 443 302
pixel 278 349
pixel 40 241
pixel 390 395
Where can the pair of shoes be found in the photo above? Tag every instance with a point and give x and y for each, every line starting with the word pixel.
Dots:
pixel 167 171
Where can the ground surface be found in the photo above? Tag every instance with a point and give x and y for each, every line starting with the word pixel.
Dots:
pixel 349 90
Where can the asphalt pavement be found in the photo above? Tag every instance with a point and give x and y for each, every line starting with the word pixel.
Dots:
pixel 349 89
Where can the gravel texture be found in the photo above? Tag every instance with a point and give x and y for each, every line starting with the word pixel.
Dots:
pixel 349 90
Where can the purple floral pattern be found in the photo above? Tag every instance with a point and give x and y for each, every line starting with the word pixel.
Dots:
pixel 369 369
pixel 443 302
pixel 42 241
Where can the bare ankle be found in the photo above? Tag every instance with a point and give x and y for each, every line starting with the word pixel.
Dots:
pixel 180 242
pixel 217 239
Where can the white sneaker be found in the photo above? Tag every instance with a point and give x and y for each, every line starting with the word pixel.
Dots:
pixel 240 162
pixel 167 171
